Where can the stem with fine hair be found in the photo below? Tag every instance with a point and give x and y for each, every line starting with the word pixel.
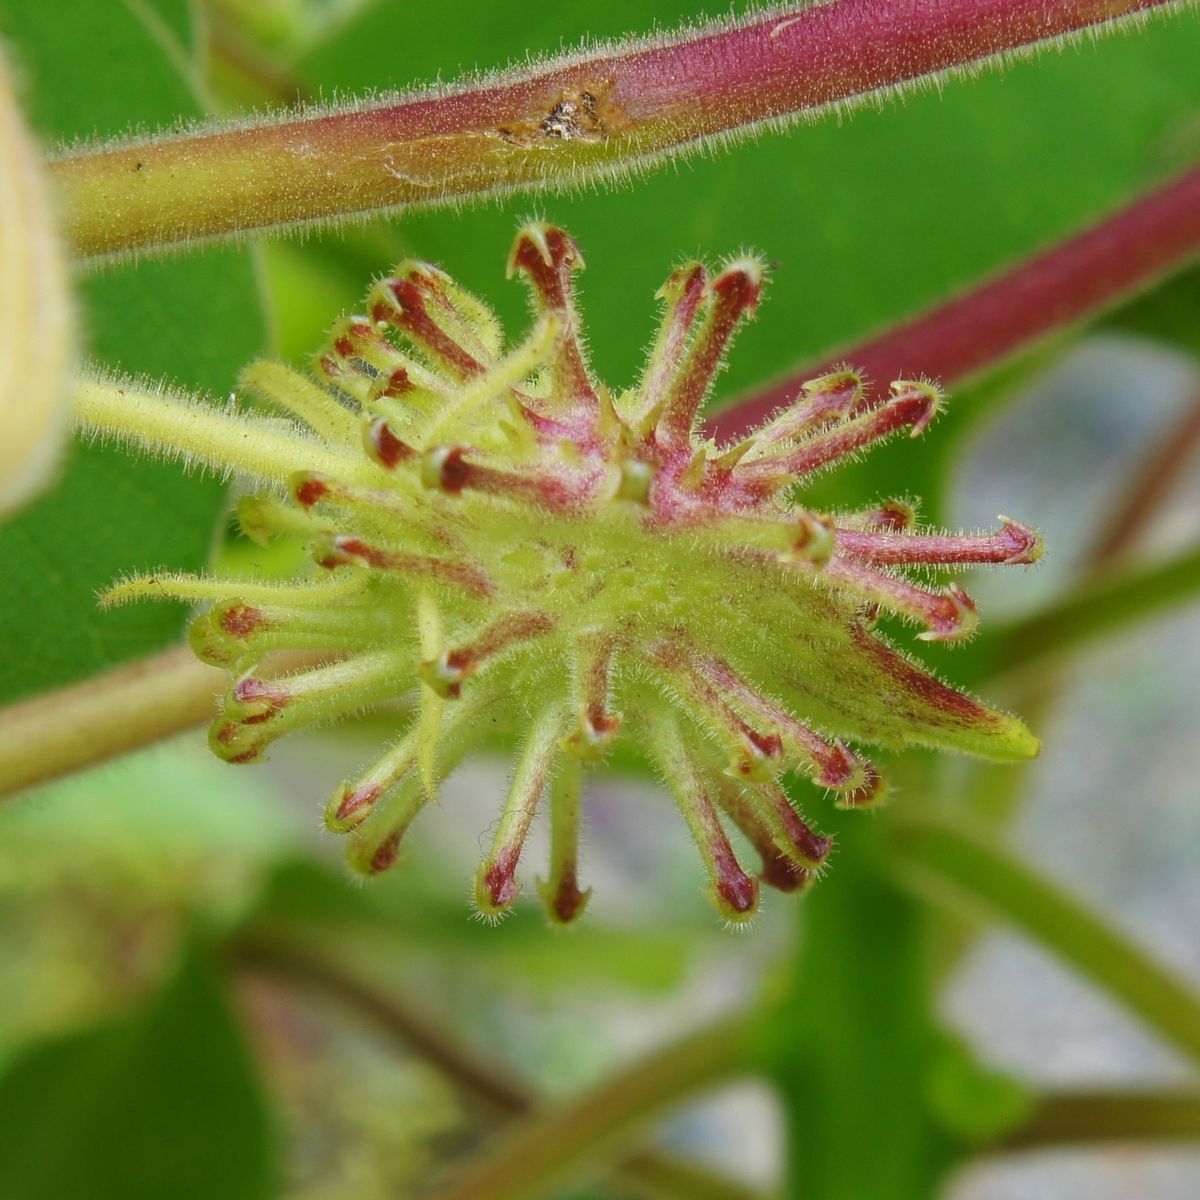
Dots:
pixel 576 119
pixel 112 713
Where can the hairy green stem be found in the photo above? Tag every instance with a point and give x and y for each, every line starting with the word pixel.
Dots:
pixel 201 433
pixel 579 118
pixel 74 727
pixel 960 868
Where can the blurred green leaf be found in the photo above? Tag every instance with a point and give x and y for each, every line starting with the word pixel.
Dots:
pixel 176 25
pixel 166 1103
pixel 1170 313
pixel 302 893
pixel 978 1103
pixel 194 320
pixel 129 82
pixel 102 875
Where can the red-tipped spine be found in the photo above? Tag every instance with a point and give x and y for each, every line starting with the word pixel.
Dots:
pixel 598 725
pixel 912 406
pixel 496 885
pixel 733 891
pixel 871 793
pixel 948 615
pixel 383 446
pixel 779 871
pixel 683 292
pixel 449 469
pixel 825 401
pixel 755 754
pixel 548 257
pixel 894 516
pixel 561 894
pixel 402 303
pixel 345 550
pixel 832 764
pixel 1012 543
pixel 800 842
pixel 730 297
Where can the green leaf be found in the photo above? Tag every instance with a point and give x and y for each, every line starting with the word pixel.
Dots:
pixel 164 1104
pixel 194 320
pixel 128 81
pixel 1170 313
pixel 300 894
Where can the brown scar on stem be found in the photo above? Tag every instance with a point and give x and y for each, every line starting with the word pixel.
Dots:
pixel 241 620
pixel 586 114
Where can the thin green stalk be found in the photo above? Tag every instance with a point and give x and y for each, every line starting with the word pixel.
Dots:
pixel 1078 1118
pixel 958 867
pixel 1085 614
pixel 270 952
pixel 1147 489
pixel 498 1091
pixel 660 1176
pixel 201 433
pixel 580 118
pixel 109 714
pixel 579 1134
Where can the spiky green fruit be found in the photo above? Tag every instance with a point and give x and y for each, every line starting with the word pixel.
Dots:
pixel 505 545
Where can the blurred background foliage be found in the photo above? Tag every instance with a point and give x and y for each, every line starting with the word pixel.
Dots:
pixel 197 1002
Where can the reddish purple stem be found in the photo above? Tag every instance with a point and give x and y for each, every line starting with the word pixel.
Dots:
pixel 1093 271
pixel 808 56
pixel 575 118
